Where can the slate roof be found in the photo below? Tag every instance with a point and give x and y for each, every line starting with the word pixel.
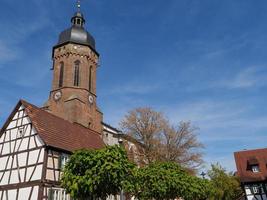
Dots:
pixel 246 158
pixel 59 133
pixel 77 34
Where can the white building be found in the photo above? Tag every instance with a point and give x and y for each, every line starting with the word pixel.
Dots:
pixel 252 170
pixel 35 143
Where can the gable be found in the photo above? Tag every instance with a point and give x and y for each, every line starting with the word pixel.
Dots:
pixel 53 131
pixel 21 149
pixel 62 134
pixel 17 126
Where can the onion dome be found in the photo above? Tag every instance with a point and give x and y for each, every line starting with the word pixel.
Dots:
pixel 76 33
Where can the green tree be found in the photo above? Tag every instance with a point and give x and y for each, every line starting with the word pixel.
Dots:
pixel 166 181
pixel 226 185
pixel 92 174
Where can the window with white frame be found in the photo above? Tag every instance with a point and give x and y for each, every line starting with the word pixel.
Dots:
pixel 255 189
pixel 255 168
pixel 58 194
pixel 63 160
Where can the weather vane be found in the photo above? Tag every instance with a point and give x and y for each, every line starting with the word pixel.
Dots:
pixel 79 5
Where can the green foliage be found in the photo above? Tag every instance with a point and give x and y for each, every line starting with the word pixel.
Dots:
pixel 226 185
pixel 91 174
pixel 166 181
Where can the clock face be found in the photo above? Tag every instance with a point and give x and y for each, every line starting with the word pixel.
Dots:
pixel 91 99
pixel 57 95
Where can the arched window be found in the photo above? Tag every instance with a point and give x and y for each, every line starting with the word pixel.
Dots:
pixel 76 73
pixel 90 78
pixel 61 74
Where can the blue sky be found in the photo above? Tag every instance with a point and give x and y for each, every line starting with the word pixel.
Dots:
pixel 198 60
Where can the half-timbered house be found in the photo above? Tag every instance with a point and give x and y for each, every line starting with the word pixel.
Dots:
pixel 34 146
pixel 35 142
pixel 252 170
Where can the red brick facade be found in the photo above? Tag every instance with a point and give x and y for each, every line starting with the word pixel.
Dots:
pixel 73 103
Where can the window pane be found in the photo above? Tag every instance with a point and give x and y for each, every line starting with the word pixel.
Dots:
pixel 255 168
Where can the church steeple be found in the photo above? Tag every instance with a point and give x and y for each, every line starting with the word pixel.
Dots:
pixel 77 33
pixel 78 20
pixel 75 60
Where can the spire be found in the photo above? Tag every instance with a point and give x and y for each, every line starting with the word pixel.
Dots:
pixel 77 19
pixel 78 5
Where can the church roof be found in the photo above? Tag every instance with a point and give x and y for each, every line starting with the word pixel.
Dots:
pixel 77 33
pixel 59 133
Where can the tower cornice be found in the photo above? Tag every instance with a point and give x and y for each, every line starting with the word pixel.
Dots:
pixel 63 44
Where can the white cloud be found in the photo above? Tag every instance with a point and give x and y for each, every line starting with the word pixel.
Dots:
pixel 225 127
pixel 19 30
pixel 217 115
pixel 132 88
pixel 247 78
pixel 7 53
pixel 227 162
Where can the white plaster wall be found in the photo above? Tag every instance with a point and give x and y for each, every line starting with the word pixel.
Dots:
pixel 38 173
pixel 3 161
pixel 12 194
pixel 24 193
pixel 35 193
pixel 20 143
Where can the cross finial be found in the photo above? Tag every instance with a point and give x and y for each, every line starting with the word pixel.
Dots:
pixel 203 174
pixel 79 5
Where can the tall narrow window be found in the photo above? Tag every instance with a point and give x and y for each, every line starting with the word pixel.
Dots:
pixel 76 73
pixel 61 74
pixel 90 78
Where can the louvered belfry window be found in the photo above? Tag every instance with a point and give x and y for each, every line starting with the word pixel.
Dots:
pixel 90 79
pixel 76 73
pixel 61 74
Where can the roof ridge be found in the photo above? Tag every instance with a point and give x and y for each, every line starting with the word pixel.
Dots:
pixel 57 132
pixel 250 150
pixel 25 103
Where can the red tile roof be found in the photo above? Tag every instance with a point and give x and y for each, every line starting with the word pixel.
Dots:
pixel 59 133
pixel 251 157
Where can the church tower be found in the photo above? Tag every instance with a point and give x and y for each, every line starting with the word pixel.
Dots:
pixel 75 61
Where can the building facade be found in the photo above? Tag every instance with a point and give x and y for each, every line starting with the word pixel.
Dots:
pixel 252 170
pixel 34 147
pixel 75 61
pixel 35 143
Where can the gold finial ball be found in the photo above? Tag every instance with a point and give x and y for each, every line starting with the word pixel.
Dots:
pixel 79 4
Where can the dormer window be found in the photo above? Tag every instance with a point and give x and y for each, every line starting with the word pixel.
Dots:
pixel 63 159
pixel 253 165
pixel 255 168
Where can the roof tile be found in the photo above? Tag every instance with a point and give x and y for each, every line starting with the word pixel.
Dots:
pixel 251 157
pixel 62 134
